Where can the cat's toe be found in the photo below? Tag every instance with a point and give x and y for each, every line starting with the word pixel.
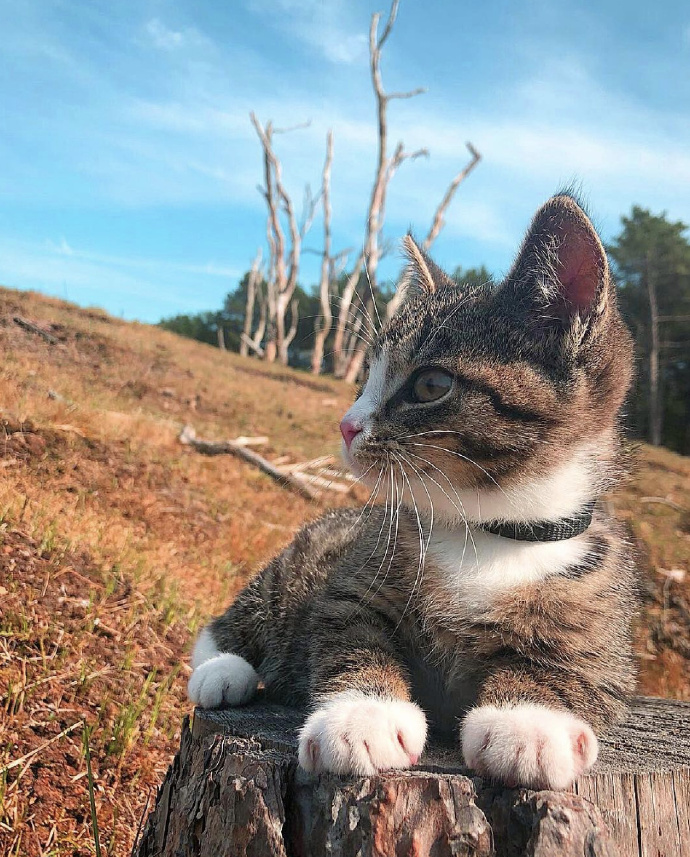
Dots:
pixel 528 745
pixel 225 679
pixel 353 733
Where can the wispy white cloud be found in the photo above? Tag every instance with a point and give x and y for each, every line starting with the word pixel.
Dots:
pixel 211 268
pixel 61 248
pixel 166 39
pixel 325 27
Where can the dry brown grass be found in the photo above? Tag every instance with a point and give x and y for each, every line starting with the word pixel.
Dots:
pixel 116 542
pixel 661 533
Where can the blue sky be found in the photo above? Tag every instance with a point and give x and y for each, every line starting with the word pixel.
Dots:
pixel 128 165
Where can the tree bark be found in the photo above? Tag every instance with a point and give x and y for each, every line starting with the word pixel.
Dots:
pixel 235 789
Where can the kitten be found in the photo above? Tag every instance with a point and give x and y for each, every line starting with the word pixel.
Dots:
pixel 484 596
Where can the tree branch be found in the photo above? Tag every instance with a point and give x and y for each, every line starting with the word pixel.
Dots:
pixel 299 126
pixel 420 90
pixel 392 15
pixel 439 222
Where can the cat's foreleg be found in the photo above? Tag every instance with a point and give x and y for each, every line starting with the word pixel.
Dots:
pixel 363 719
pixel 219 678
pixel 521 734
pixel 225 653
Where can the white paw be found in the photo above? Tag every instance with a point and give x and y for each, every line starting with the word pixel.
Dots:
pixel 528 745
pixel 353 733
pixel 224 679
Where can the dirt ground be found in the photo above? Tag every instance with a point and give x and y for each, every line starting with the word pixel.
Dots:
pixel 117 542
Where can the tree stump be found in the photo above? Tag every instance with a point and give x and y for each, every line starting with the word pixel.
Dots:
pixel 234 789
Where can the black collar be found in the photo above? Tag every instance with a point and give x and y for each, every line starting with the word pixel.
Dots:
pixel 543 531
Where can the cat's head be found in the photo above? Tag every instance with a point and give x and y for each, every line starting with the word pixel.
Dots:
pixel 498 402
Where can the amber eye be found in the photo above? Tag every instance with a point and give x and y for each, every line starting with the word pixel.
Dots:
pixel 432 384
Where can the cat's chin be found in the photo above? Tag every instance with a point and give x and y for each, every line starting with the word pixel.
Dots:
pixel 368 474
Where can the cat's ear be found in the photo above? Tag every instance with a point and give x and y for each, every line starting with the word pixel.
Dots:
pixel 561 270
pixel 422 276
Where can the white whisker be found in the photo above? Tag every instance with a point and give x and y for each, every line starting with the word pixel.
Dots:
pixel 460 509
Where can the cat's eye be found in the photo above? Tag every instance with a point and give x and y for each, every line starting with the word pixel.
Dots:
pixel 431 385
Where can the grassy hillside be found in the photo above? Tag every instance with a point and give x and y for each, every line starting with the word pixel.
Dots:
pixel 116 542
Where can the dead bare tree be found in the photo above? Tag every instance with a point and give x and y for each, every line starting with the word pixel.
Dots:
pixel 355 325
pixel 348 363
pixel 283 262
pixel 253 282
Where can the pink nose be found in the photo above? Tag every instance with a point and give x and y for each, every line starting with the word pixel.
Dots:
pixel 349 431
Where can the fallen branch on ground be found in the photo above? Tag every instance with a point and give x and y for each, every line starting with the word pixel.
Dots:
pixel 34 328
pixel 230 447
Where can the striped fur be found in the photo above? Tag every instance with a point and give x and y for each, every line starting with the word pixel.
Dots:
pixel 406 605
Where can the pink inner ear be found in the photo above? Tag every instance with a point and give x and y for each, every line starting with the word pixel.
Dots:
pixel 579 268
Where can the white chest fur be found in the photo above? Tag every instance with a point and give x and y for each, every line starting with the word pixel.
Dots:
pixel 474 566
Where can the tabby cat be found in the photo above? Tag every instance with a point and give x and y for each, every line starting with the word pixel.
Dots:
pixel 485 593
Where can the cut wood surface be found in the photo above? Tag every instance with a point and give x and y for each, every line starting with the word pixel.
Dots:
pixel 234 788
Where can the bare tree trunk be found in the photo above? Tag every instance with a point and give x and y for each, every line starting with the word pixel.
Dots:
pixel 323 323
pixel 385 169
pixel 340 353
pixel 263 311
pixel 282 280
pixel 354 367
pixel 281 351
pixel 252 282
pixel 271 348
pixel 292 332
pixel 274 237
pixel 655 415
pixel 221 337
